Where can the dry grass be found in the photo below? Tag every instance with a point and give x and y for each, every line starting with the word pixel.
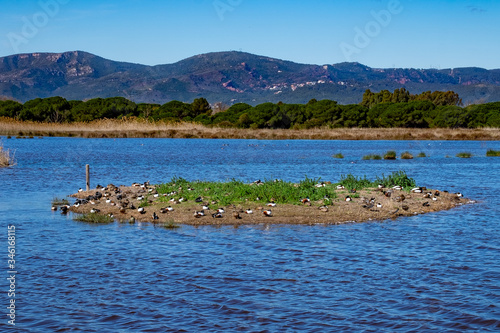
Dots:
pixel 6 157
pixel 136 128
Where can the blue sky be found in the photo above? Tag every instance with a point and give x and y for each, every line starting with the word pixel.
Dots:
pixel 377 33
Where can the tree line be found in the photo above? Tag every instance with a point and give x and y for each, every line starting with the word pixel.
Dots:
pixel 382 109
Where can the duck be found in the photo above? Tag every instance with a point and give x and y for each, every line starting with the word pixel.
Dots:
pixel 320 185
pixel 199 199
pixel 170 209
pixel 249 211
pixel 271 204
pixel 434 198
pixel 397 187
pixel 400 198
pixel 267 213
pixel 305 200
pixel 380 186
pixel 199 214
pixel 459 195
pixel 348 198
pixel 131 219
pixel 64 209
pixel 379 205
pixel 155 217
pixel 437 193
pixel 123 210
pixel 368 206
pixel 80 190
pixel 426 204
pixel 111 215
pixel 181 199
pixel 405 207
pixel 217 215
pixel 141 210
pixel 323 208
pixel 236 215
pixel 139 198
pixel 156 195
pixel 95 211
pixel 54 208
pixel 416 190
pixel 205 207
pixel 340 187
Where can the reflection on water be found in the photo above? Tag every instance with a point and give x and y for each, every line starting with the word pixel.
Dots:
pixel 436 272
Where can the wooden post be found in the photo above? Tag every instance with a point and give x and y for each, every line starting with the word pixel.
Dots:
pixel 87 173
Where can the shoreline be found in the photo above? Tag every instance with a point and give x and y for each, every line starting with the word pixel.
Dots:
pixel 369 204
pixel 109 128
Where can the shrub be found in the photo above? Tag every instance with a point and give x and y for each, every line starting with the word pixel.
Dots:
pixel 390 155
pixel 372 157
pixel 464 155
pixel 492 153
pixel 406 156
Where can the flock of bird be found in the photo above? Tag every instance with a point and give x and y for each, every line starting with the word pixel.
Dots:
pixel 123 200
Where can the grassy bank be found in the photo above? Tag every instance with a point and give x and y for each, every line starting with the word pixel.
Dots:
pixel 145 129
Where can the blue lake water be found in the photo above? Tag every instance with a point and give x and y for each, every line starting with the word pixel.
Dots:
pixel 433 272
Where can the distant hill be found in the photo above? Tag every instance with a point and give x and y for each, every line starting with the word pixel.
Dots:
pixel 229 77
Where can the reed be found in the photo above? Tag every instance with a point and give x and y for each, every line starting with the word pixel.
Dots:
pixel 141 128
pixel 6 157
pixel 492 153
pixel 338 155
pixel 464 155
pixel 422 154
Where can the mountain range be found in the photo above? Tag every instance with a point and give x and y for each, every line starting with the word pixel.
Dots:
pixel 228 77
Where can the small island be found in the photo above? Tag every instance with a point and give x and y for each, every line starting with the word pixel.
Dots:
pixel 311 201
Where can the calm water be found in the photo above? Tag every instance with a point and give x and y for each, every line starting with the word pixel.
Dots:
pixel 436 272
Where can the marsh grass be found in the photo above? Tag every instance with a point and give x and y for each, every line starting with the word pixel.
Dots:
pixel 338 155
pixel 6 157
pixel 94 218
pixel 170 224
pixel 144 202
pixel 390 155
pixel 237 192
pixel 464 155
pixel 372 157
pixel 397 178
pixel 492 153
pixel 406 156
pixel 422 154
pixel 59 202
pixel 140 128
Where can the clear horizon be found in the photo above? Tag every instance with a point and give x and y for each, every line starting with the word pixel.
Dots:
pixel 376 33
